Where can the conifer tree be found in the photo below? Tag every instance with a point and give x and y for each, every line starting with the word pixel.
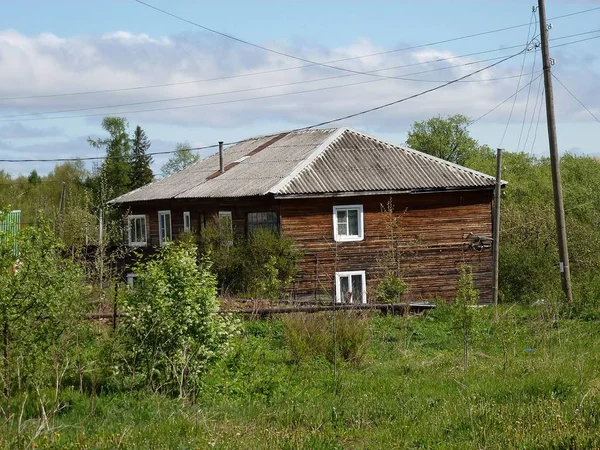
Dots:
pixel 141 173
pixel 115 171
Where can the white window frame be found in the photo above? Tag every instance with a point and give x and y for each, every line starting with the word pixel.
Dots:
pixel 131 218
pixel 187 221
pixel 130 279
pixel 348 238
pixel 338 284
pixel 162 240
pixel 223 214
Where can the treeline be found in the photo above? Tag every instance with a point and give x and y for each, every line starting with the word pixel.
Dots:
pixel 71 196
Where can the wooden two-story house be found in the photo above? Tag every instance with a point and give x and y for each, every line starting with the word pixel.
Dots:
pixel 326 189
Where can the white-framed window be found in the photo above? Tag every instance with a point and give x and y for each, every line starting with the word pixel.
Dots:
pixel 348 223
pixel 138 233
pixel 187 221
pixel 132 280
pixel 226 227
pixel 164 227
pixel 351 287
pixel 268 220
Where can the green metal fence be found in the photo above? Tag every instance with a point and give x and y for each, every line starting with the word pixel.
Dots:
pixel 9 227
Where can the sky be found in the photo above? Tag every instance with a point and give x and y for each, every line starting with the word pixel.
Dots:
pixel 202 87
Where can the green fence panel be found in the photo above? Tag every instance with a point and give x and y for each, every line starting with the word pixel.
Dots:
pixel 9 227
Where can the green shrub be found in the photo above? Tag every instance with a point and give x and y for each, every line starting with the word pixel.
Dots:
pixel 41 306
pixel 344 335
pixel 171 323
pixel 262 265
pixel 390 289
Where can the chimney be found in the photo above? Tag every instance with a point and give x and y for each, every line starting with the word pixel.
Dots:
pixel 221 168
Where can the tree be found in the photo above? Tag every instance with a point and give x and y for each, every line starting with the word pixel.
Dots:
pixel 34 178
pixel 141 173
pixel 182 158
pixel 444 138
pixel 115 171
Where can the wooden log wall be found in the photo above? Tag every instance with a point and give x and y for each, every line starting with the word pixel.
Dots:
pixel 434 235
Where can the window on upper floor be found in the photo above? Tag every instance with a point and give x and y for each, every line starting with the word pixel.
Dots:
pixel 138 235
pixel 350 287
pixel 266 220
pixel 348 223
pixel 164 227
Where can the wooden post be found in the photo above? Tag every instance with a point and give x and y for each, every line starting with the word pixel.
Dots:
pixel 100 252
pixel 496 230
pixel 115 312
pixel 561 230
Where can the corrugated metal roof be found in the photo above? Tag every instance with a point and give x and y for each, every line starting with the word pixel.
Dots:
pixel 357 163
pixel 304 162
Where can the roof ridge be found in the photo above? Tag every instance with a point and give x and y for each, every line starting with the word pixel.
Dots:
pixel 306 162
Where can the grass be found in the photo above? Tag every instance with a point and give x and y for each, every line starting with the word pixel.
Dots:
pixel 531 383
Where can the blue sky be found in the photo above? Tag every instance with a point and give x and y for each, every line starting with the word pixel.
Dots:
pixel 72 46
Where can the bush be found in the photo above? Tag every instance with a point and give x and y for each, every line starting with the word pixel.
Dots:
pixel 344 336
pixel 260 266
pixel 390 289
pixel 171 324
pixel 41 306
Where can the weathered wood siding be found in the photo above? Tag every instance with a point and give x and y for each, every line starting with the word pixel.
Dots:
pixel 434 238
pixel 200 209
pixel 435 232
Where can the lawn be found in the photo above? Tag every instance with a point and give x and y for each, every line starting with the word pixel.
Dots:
pixel 532 382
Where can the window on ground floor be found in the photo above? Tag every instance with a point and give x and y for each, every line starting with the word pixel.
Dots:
pixel 132 280
pixel 137 230
pixel 267 220
pixel 348 223
pixel 164 227
pixel 187 221
pixel 350 287
pixel 226 228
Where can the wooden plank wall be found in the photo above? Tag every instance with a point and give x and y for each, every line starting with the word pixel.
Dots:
pixel 434 235
pixel 208 209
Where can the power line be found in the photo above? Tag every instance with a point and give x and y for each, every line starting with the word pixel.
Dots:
pixel 528 96
pixel 538 121
pixel 272 87
pixel 327 122
pixel 235 101
pixel 519 79
pixel 225 102
pixel 575 97
pixel 277 52
pixel 288 55
pixel 401 77
pixel 503 101
pixel 538 98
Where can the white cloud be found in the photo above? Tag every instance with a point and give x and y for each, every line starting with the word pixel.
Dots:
pixel 48 64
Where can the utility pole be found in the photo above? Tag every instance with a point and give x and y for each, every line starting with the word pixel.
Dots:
pixel 559 211
pixel 496 230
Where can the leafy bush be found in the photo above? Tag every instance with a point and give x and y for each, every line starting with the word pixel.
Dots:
pixel 42 298
pixel 171 324
pixel 260 266
pixel 344 336
pixel 390 288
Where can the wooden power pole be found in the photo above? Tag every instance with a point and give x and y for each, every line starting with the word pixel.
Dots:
pixel 496 229
pixel 559 211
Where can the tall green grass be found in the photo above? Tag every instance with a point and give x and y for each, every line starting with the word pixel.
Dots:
pixel 531 383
